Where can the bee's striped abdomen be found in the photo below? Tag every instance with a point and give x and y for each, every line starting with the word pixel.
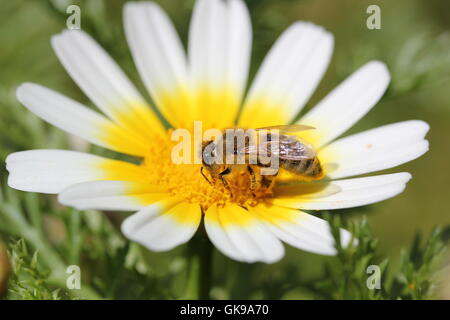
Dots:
pixel 308 168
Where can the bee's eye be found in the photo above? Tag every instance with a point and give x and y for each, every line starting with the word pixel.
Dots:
pixel 209 154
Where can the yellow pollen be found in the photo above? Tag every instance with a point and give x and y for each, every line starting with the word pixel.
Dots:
pixel 185 180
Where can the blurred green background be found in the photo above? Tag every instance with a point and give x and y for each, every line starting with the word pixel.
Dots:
pixel 414 41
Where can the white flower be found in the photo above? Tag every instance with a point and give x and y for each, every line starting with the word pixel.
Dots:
pixel 209 85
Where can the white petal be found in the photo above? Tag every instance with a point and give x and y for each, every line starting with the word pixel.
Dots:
pixel 218 236
pixel 301 230
pixel 207 48
pixel 376 149
pixel 77 119
pixel 50 171
pixel 110 195
pixel 249 242
pixel 163 225
pixel 101 79
pixel 239 45
pixel 347 103
pixel 220 42
pixel 219 53
pixel 350 193
pixel 157 52
pixel 288 76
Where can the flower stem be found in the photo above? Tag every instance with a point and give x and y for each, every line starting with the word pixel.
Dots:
pixel 199 253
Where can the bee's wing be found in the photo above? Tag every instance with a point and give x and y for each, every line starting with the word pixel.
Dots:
pixel 249 150
pixel 289 128
pixel 286 148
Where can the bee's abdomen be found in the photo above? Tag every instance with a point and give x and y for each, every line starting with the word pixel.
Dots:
pixel 308 168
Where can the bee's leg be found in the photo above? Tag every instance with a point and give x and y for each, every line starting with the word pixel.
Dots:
pixel 252 178
pixel 201 171
pixel 266 181
pixel 224 182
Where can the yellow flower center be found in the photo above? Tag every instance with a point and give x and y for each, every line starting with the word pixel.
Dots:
pixel 186 181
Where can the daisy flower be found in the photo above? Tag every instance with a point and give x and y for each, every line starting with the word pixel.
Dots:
pixel 208 84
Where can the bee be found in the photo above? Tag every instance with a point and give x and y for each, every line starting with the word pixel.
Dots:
pixel 293 155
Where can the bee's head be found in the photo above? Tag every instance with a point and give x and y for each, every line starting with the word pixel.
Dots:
pixel 211 157
pixel 208 159
pixel 208 154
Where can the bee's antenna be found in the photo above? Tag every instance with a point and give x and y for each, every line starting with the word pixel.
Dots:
pixel 201 171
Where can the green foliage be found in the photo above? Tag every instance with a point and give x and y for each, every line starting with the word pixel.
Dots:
pixel 422 61
pixel 28 280
pixel 417 276
pixel 111 267
pixel 347 277
pixel 116 270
